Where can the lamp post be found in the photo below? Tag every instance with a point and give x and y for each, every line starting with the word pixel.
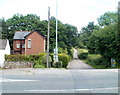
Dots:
pixel 56 49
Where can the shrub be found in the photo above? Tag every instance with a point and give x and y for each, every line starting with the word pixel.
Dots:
pixel 58 64
pixel 39 59
pixel 24 57
pixel 64 58
pixel 16 58
pixel 38 64
pixel 94 58
pixel 98 61
pixel 82 55
pixel 44 60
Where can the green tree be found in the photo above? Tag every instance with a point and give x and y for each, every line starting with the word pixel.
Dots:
pixel 107 18
pixel 85 33
pixel 104 42
pixel 3 29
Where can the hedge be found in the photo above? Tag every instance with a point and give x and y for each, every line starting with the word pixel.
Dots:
pixel 24 57
pixel 97 61
pixel 37 59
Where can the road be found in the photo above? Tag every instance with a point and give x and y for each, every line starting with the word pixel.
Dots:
pixel 78 78
pixel 59 81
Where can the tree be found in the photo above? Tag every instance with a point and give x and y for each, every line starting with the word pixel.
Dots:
pixel 21 23
pixel 3 29
pixel 107 19
pixel 104 42
pixel 85 33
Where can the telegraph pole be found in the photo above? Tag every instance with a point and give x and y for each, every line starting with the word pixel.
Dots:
pixel 48 37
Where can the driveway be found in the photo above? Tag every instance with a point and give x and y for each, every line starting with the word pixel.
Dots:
pixel 77 63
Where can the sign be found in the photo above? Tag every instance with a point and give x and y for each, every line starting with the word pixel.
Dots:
pixel 113 62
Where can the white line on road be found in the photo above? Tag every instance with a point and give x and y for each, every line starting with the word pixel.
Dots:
pixel 73 90
pixel 16 80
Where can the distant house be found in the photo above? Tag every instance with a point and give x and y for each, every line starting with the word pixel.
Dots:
pixel 28 42
pixel 4 49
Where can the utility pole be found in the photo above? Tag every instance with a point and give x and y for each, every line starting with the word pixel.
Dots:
pixel 56 49
pixel 48 37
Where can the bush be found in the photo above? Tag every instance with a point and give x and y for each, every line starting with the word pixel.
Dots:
pixel 24 57
pixel 64 58
pixel 38 64
pixel 58 64
pixel 82 55
pixel 44 60
pixel 98 61
pixel 16 57
pixel 39 59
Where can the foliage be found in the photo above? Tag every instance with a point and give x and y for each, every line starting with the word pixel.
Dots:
pixel 44 61
pixel 16 58
pixel 64 58
pixel 82 55
pixel 107 19
pixel 85 32
pixel 39 59
pixel 38 64
pixel 80 50
pixel 98 61
pixel 24 57
pixel 3 29
pixel 104 41
pixel 58 64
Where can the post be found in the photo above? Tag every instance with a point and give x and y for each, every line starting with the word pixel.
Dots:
pixel 48 37
pixel 56 49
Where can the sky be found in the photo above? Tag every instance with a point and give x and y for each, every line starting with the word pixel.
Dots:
pixel 75 12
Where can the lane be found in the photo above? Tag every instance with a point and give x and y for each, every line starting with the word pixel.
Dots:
pixel 77 63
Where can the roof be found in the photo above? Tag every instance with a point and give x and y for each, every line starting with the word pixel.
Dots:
pixel 34 31
pixel 20 34
pixel 3 43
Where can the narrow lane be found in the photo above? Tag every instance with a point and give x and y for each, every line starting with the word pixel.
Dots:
pixel 77 63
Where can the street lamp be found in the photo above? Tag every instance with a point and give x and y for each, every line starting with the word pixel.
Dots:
pixel 56 49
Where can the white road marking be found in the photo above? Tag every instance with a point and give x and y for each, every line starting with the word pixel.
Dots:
pixel 73 90
pixel 16 80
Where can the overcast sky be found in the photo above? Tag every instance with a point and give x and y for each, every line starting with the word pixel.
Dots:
pixel 74 12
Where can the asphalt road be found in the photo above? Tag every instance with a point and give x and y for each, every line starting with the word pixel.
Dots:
pixel 59 81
